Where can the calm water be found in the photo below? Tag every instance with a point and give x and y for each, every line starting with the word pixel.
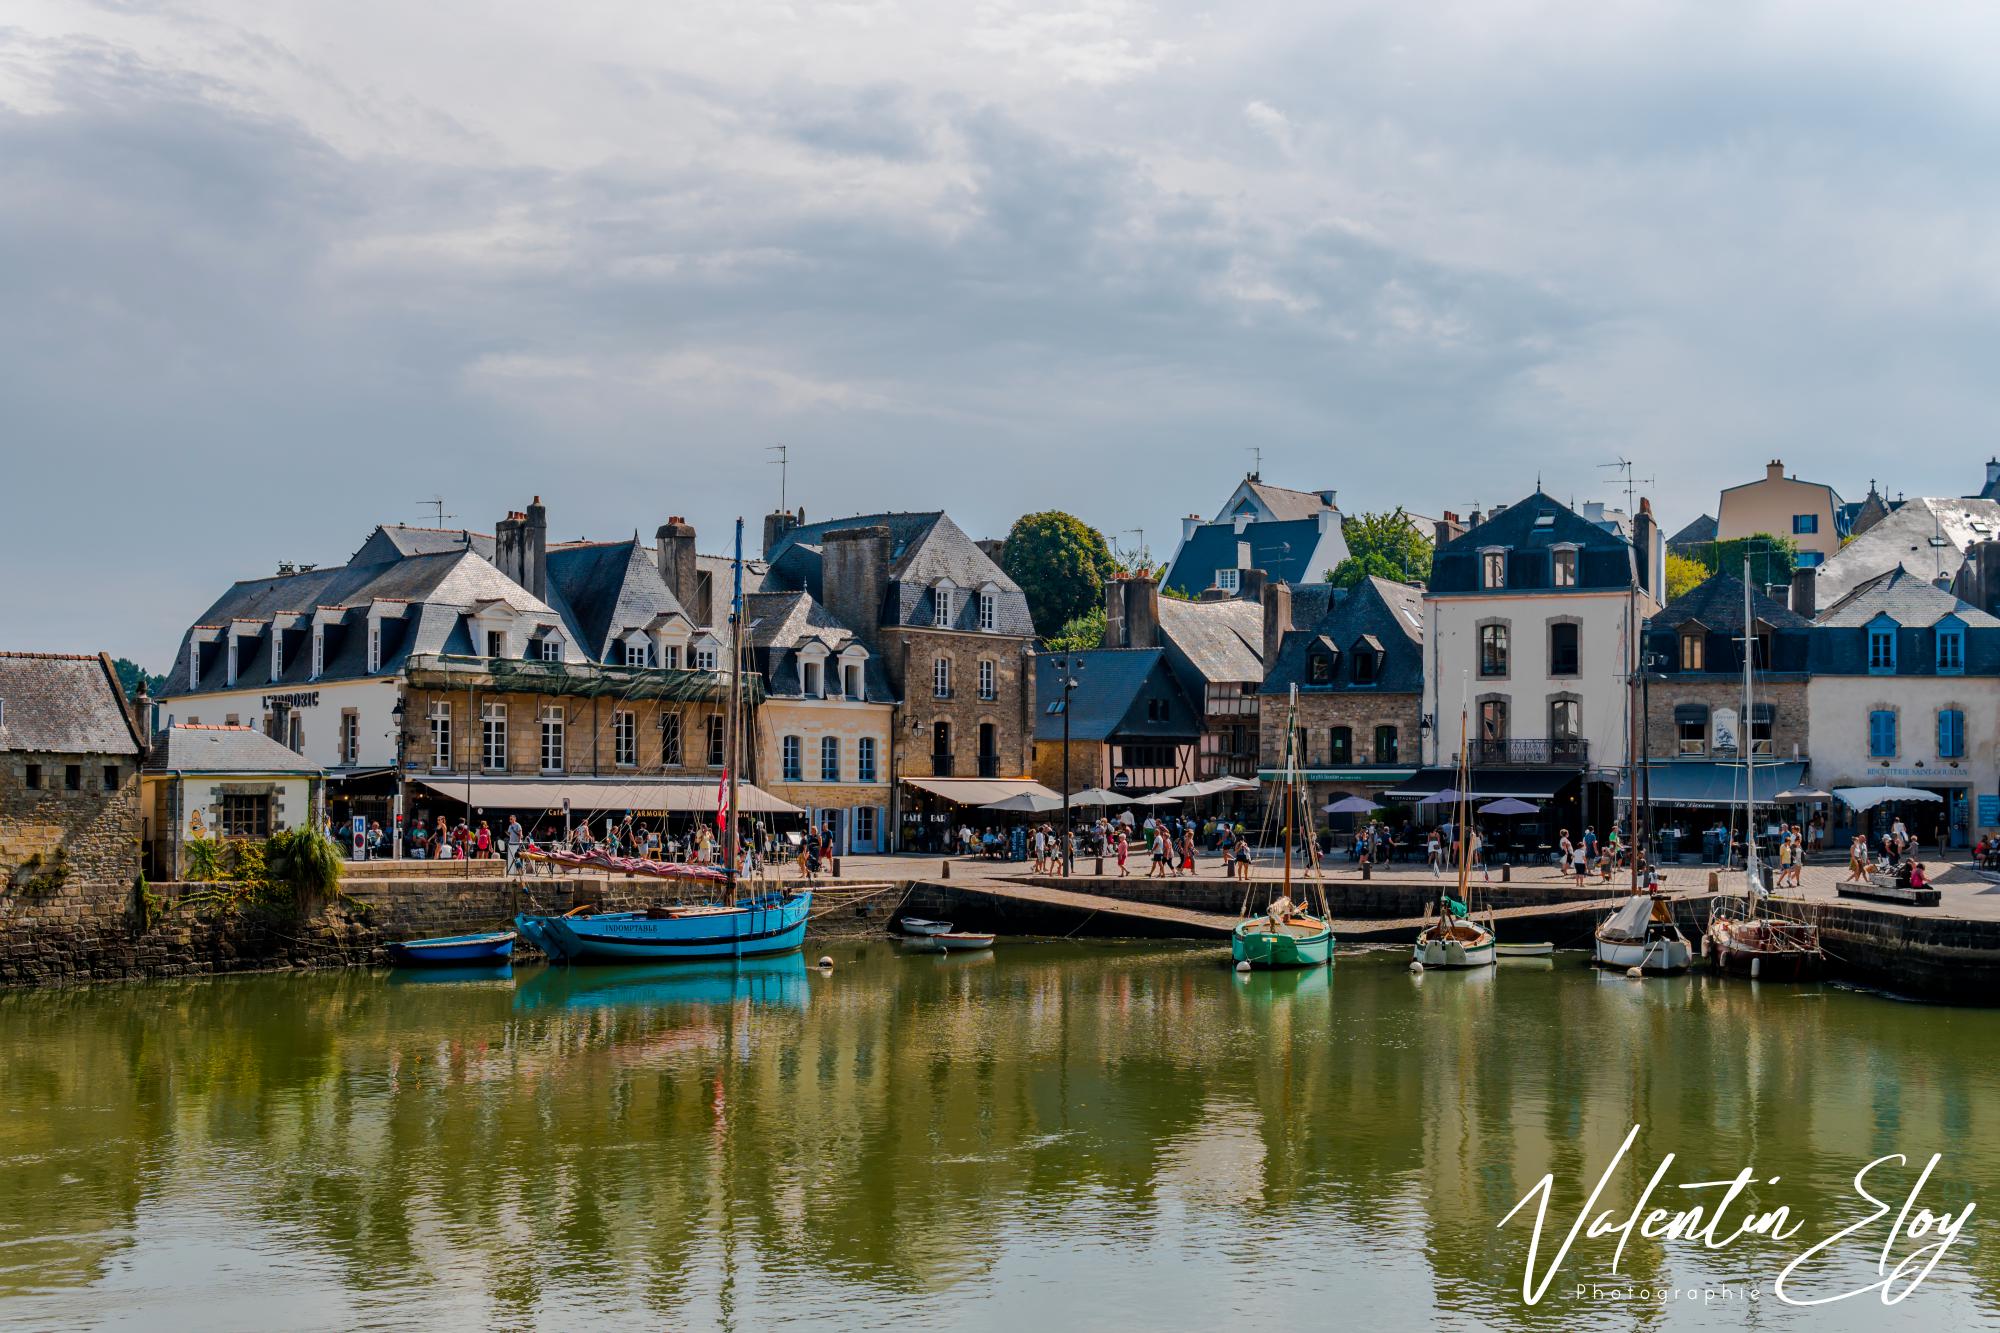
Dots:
pixel 1049 1136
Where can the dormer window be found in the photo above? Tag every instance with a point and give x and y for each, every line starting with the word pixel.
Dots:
pixel 374 646
pixel 638 654
pixel 815 682
pixel 1694 650
pixel 851 680
pixel 1882 648
pixel 318 652
pixel 496 643
pixel 1563 567
pixel 1950 648
pixel 1319 669
pixel 229 670
pixel 1229 580
pixel 1367 659
pixel 989 612
pixel 704 656
pixel 552 649
pixel 277 652
pixel 1493 569
pixel 941 598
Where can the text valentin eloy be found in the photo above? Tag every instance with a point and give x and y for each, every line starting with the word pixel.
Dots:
pixel 1911 1246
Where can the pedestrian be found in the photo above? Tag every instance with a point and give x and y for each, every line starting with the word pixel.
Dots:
pixel 1240 857
pixel 1124 849
pixel 1187 849
pixel 1478 854
pixel 485 841
pixel 1434 854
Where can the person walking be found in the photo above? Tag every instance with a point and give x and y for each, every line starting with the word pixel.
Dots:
pixel 1434 854
pixel 1124 845
pixel 1187 849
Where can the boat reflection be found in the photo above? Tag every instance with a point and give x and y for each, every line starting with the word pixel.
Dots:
pixel 780 981
pixel 435 976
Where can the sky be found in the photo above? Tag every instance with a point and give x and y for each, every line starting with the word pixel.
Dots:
pixel 273 273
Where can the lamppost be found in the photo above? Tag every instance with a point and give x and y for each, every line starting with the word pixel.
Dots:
pixel 1068 665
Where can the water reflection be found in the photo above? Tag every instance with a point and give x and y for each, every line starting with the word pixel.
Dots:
pixel 983 1139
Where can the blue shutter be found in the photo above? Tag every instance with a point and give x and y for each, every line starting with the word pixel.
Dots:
pixel 1951 733
pixel 1881 733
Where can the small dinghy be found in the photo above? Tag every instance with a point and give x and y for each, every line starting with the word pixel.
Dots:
pixel 454 950
pixel 952 941
pixel 1542 950
pixel 916 925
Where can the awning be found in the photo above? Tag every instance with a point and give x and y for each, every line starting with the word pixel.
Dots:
pixel 1528 784
pixel 355 774
pixel 1867 798
pixel 980 791
pixel 1374 773
pixel 638 795
pixel 1691 713
pixel 1712 782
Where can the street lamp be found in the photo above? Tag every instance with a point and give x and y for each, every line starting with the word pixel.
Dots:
pixel 1068 665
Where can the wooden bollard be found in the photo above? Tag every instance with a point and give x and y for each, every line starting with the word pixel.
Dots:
pixel 1100 867
pixel 1715 881
pixel 1367 870
pixel 836 867
pixel 1507 873
pixel 946 872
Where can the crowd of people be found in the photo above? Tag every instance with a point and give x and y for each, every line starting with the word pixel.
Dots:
pixel 1897 859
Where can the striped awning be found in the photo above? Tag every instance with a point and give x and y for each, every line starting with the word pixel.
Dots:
pixel 638 796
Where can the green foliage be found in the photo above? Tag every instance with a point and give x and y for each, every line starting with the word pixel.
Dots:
pixel 1383 546
pixel 130 673
pixel 305 862
pixel 1684 574
pixel 1176 595
pixel 36 875
pixel 1080 633
pixel 1061 563
pixel 1772 558
pixel 203 860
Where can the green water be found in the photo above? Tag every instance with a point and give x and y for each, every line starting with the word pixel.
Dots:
pixel 1048 1136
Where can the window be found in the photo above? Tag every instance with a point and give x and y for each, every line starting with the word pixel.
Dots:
pixel 1693 650
pixel 72 777
pixel 986 673
pixel 864 825
pixel 440 719
pixel 1564 655
pixel 229 671
pixel 638 654
pixel 1492 569
pixel 245 817
pixel 350 738
pixel 1493 720
pixel 319 652
pixel 552 738
pixel 32 777
pixel 941 678
pixel 704 657
pixel 1693 731
pixel 1562 569
pixel 1809 559
pixel 111 777
pixel 672 660
pixel 1760 732
pixel 552 649
pixel 1565 718
pixel 1950 651
pixel 829 759
pixel 1492 650
pixel 989 612
pixel 1951 733
pixel 815 681
pixel 670 740
pixel 1340 746
pixel 1881 649
pixel 1385 745
pixel 1803 524
pixel 1319 669
pixel 794 766
pixel 625 738
pixel 851 677
pixel 1882 733
pixel 374 645
pixel 716 752
pixel 493 737
pixel 297 740
pixel 864 759
pixel 942 598
pixel 496 643
pixel 1229 580
pixel 1366 666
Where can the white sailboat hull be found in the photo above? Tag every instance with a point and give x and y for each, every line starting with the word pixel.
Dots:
pixel 1450 953
pixel 1669 954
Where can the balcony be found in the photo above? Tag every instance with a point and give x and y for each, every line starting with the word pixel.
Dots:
pixel 940 765
pixel 1569 753
pixel 989 765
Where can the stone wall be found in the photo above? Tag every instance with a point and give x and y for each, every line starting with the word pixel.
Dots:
pixel 911 655
pixel 1786 697
pixel 1210 892
pixel 589 748
pixel 1086 765
pixel 67 858
pixel 1361 711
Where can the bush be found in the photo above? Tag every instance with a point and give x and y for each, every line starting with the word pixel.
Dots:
pixel 304 862
pixel 204 860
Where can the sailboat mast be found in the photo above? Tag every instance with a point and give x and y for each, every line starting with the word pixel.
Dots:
pixel 1632 731
pixel 1291 731
pixel 735 729
pixel 1744 744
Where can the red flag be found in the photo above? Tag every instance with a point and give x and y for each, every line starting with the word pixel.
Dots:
pixel 722 803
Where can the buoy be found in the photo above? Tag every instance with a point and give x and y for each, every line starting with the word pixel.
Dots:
pixel 1243 966
pixel 1416 966
pixel 1635 972
pixel 826 961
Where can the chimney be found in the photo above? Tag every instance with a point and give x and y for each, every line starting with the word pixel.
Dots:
pixel 1142 611
pixel 1645 534
pixel 1774 470
pixel 1992 471
pixel 1277 619
pixel 1250 584
pixel 1805 592
pixel 1115 635
pixel 521 548
pixel 673 549
pixel 777 525
pixel 1447 529
pixel 994 549
pixel 854 578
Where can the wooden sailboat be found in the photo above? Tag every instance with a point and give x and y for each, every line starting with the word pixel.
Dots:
pixel 1744 935
pixel 1286 935
pixel 760 924
pixel 1451 938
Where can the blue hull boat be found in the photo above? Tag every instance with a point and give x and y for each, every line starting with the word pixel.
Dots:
pixel 771 924
pixel 489 949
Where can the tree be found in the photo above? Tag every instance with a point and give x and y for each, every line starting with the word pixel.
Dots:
pixel 1080 633
pixel 1772 559
pixel 1383 546
pixel 130 673
pixel 1684 574
pixel 1061 563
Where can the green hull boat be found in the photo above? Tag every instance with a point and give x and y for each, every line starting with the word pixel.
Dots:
pixel 1256 943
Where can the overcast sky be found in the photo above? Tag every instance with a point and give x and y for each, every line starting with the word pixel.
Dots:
pixel 271 273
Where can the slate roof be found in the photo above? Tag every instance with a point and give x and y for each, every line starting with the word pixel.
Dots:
pixel 191 748
pixel 1717 602
pixel 1905 598
pixel 1283 549
pixel 924 548
pixel 1604 557
pixel 391 541
pixel 53 703
pixel 778 624
pixel 1903 538
pixel 1391 613
pixel 1109 699
pixel 1219 641
pixel 604 590
pixel 1698 533
pixel 1285 503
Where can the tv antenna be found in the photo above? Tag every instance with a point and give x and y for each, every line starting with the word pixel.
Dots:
pixel 436 502
pixel 1256 461
pixel 783 460
pixel 1145 557
pixel 1632 483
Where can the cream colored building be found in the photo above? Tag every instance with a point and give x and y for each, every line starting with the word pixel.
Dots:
pixel 203 781
pixel 1809 512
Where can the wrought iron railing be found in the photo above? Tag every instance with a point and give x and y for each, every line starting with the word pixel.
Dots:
pixel 1573 752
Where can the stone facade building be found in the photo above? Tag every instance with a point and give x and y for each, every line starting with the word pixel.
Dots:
pixel 1356 657
pixel 203 781
pixel 69 792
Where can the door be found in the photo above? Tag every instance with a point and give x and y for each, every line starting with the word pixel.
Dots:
pixel 867 831
pixel 835 820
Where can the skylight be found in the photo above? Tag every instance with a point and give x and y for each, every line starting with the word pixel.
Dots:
pixel 1545 520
